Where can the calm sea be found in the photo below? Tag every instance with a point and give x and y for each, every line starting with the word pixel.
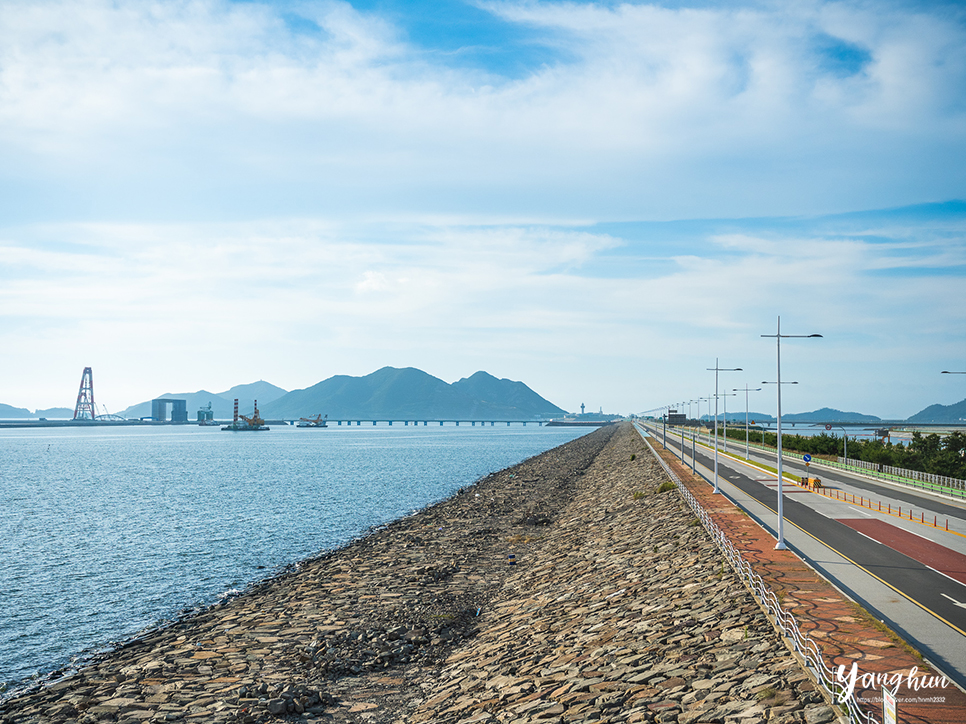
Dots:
pixel 106 532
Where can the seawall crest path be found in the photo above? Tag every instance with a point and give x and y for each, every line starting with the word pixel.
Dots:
pixel 619 608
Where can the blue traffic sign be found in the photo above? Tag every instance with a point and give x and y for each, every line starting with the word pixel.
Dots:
pixel 807 458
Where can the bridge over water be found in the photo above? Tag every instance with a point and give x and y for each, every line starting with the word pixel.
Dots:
pixel 424 423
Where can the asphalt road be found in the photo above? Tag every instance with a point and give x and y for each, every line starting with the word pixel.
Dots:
pixel 911 496
pixel 932 591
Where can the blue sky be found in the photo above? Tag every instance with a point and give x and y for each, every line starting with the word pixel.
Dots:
pixel 598 199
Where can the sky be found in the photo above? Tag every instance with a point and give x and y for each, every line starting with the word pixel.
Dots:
pixel 602 200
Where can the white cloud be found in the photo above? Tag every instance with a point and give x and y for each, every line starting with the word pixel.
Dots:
pixel 297 301
pixel 657 112
pixel 201 191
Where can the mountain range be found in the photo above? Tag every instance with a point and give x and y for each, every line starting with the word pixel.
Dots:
pixel 824 414
pixel 388 393
pixel 8 412
pixel 409 393
pixel 221 402
pixel 932 414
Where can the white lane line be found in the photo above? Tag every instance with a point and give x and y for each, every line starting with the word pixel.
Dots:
pixel 869 537
pixel 943 574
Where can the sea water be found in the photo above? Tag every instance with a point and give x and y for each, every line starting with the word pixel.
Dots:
pixel 106 532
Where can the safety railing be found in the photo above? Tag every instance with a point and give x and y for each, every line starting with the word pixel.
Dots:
pixel 903 476
pixel 932 481
pixel 785 622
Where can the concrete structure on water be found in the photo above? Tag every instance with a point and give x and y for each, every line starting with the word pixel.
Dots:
pixel 179 410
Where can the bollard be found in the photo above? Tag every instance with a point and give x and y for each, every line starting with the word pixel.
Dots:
pixel 511 560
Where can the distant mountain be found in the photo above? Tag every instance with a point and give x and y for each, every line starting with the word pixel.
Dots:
pixel 941 413
pixel 56 413
pixel 740 417
pixel 222 403
pixel 506 393
pixel 262 391
pixel 195 401
pixel 14 413
pixel 8 412
pixel 827 414
pixel 409 393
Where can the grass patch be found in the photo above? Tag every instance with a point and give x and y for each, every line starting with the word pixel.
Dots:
pixel 520 538
pixel 638 494
pixel 666 487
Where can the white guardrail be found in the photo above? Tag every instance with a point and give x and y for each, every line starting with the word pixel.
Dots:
pixel 784 621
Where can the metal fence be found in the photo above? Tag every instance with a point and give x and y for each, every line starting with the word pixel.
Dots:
pixel 940 480
pixel 784 621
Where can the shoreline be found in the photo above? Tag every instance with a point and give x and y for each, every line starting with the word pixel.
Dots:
pixel 423 619
pixel 95 656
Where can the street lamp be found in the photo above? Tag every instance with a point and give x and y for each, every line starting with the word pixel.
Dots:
pixel 692 430
pixel 708 400
pixel 683 461
pixel 845 438
pixel 746 390
pixel 947 372
pixel 726 395
pixel 716 371
pixel 664 420
pixel 781 512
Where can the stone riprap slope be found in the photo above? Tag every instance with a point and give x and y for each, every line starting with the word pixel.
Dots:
pixel 364 621
pixel 618 609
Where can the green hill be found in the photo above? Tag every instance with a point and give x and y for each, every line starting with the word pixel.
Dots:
pixel 827 414
pixel 941 413
pixel 409 393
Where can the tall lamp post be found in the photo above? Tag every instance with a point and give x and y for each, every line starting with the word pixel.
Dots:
pixel 704 399
pixel 746 389
pixel 724 437
pixel 683 461
pixel 664 419
pixel 692 429
pixel 781 511
pixel 716 371
pixel 845 438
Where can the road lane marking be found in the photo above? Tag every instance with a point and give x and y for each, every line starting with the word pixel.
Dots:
pixel 860 567
pixel 955 602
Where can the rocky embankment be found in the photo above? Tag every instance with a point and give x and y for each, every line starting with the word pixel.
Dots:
pixel 618 608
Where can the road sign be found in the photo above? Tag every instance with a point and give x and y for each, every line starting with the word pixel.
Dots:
pixel 807 458
pixel 890 711
pixel 828 427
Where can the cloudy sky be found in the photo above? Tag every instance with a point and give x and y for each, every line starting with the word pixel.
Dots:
pixel 598 199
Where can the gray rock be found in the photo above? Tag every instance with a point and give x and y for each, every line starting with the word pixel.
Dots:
pixel 819 715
